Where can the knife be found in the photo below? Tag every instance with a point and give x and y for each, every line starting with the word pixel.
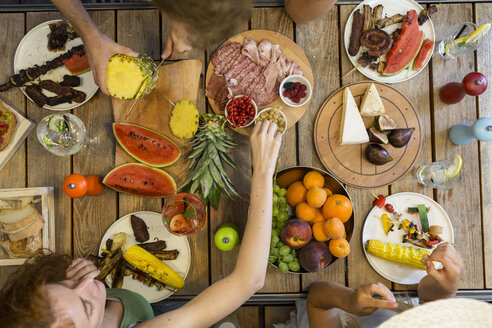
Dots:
pixel 143 83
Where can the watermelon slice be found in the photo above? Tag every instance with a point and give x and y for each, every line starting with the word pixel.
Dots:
pixel 78 63
pixel 424 53
pixel 145 145
pixel 140 179
pixel 406 47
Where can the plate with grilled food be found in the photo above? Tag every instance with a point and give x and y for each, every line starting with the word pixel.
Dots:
pixel 132 267
pixel 51 67
pixel 390 41
pixel 400 232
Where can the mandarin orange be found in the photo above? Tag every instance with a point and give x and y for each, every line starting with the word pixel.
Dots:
pixel 339 247
pixel 338 206
pixel 296 193
pixel 314 179
pixel 319 232
pixel 305 212
pixel 316 197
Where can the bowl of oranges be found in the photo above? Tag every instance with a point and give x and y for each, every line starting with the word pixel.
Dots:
pixel 313 220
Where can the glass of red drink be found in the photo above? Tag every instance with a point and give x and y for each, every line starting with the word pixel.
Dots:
pixel 184 214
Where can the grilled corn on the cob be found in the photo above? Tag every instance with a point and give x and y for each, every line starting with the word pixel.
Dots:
pixel 148 263
pixel 405 255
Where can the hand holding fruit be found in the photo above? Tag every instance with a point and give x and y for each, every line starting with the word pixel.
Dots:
pixel 447 277
pixel 265 146
pixel 100 48
pixel 362 302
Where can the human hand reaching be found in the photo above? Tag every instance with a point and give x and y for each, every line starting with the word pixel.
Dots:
pixel 176 42
pixel 99 49
pixel 265 145
pixel 448 277
pixel 362 302
pixel 80 268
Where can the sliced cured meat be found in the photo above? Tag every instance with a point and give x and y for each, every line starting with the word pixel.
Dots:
pixel 230 61
pixel 249 78
pixel 215 86
pixel 250 49
pixel 259 79
pixel 245 71
pixel 234 71
pixel 222 53
pixel 264 50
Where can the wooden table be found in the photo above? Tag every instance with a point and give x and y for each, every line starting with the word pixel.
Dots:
pixel 80 223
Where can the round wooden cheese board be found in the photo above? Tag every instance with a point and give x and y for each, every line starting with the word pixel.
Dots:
pixel 347 162
pixel 291 51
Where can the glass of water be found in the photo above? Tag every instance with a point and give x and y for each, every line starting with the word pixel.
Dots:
pixel 460 41
pixel 440 175
pixel 61 134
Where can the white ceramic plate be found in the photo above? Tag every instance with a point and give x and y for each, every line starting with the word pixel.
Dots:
pixel 33 50
pixel 390 7
pixel 373 229
pixel 156 230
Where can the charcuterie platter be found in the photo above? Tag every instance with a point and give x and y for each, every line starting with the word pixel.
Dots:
pixel 289 50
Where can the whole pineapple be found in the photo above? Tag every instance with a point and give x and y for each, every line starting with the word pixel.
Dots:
pixel 130 77
pixel 184 119
pixel 210 147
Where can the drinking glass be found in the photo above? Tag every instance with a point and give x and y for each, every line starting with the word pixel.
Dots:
pixel 454 45
pixel 434 175
pixel 183 214
pixel 61 134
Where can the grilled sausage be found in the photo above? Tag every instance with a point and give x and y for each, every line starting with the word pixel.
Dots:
pixel 356 33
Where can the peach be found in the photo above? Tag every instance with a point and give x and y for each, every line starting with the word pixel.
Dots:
pixel 296 233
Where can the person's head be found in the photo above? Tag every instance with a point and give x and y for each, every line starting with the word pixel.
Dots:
pixel 38 295
pixel 206 22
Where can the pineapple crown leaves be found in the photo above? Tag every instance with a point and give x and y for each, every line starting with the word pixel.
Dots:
pixel 209 149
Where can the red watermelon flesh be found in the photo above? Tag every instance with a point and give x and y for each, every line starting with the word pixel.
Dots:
pixel 406 47
pixel 145 145
pixel 424 53
pixel 140 179
pixel 78 63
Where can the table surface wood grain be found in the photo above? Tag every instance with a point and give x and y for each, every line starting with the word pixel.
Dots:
pixel 80 223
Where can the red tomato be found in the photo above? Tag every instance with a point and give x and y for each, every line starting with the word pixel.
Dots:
pixel 389 208
pixel 94 185
pixel 75 185
pixel 379 202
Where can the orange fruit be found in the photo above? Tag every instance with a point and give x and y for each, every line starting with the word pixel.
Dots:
pixel 328 192
pixel 334 228
pixel 338 206
pixel 316 197
pixel 305 212
pixel 319 217
pixel 318 231
pixel 313 179
pixel 75 185
pixel 296 193
pixel 339 247
pixel 94 185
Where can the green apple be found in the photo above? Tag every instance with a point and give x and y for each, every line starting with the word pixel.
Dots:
pixel 227 237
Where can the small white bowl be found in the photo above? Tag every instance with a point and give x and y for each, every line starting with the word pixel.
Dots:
pixel 254 105
pixel 296 78
pixel 269 109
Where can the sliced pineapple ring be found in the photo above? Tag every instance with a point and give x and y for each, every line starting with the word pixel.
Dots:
pixel 184 119
pixel 130 77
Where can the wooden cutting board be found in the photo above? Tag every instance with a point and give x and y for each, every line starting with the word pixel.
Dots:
pixel 291 51
pixel 177 81
pixel 348 162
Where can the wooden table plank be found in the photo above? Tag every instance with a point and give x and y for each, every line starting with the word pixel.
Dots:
pixel 13 175
pixel 248 316
pixel 275 19
pixel 92 216
pixel 139 30
pixel 45 169
pixel 319 40
pixel 277 314
pixel 359 271
pixel 483 14
pixel 462 203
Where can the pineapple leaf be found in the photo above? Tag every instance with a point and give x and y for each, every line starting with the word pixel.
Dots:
pixel 206 183
pixel 216 175
pixel 194 186
pixel 214 197
pixel 228 160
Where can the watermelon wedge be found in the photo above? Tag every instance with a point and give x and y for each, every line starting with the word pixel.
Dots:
pixel 424 53
pixel 78 63
pixel 146 145
pixel 406 47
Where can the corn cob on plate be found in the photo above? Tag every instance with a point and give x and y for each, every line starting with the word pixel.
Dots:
pixel 156 228
pixel 373 230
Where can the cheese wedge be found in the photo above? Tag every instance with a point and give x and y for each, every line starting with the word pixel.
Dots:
pixel 371 104
pixel 352 129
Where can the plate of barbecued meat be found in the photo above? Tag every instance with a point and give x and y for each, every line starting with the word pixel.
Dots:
pixel 390 41
pixel 254 63
pixel 51 67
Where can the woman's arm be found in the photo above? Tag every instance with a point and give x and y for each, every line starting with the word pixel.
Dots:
pixel 303 11
pixel 442 283
pixel 99 47
pixel 325 298
pixel 228 294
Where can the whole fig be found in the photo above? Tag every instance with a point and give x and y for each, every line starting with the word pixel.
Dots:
pixel 376 154
pixel 399 138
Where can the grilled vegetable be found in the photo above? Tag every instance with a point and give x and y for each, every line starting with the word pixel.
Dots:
pixel 367 18
pixel 397 253
pixel 387 224
pixel 423 217
pixel 414 210
pixel 119 274
pixel 154 246
pixel 166 255
pixel 435 230
pixel 148 263
pixel 139 229
pixel 108 263
pixel 379 202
